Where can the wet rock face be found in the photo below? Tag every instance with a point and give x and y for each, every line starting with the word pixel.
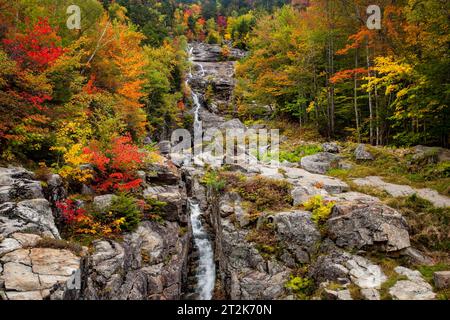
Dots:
pixel 212 53
pixel 148 264
pixel 371 225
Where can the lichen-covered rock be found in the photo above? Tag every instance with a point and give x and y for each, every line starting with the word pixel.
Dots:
pixel 340 266
pixel 163 173
pixel 368 225
pixel 415 288
pixel 320 162
pixel 33 215
pixel 174 198
pixel 362 154
pixel 17 184
pixel 248 275
pixel 104 201
pixel 441 279
pixel 148 264
pixel 302 178
pixel 331 147
pixel 298 233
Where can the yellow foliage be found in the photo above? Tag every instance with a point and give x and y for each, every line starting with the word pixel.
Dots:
pixel 320 209
pixel 72 131
pixel 74 158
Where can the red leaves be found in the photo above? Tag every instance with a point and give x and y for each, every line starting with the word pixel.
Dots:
pixel 116 165
pixel 346 75
pixel 222 22
pixel 125 155
pixel 37 48
pixel 90 87
pixel 70 212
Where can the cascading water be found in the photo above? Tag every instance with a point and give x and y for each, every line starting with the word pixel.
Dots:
pixel 206 272
pixel 195 97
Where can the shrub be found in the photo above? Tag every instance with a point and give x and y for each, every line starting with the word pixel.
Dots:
pixel 122 215
pixel 263 193
pixel 152 209
pixel 116 165
pixel 320 209
pixel 302 287
pixel 70 212
pixel 213 180
pixel 72 171
pixel 123 212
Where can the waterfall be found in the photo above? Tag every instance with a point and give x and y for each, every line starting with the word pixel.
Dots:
pixel 206 272
pixel 195 97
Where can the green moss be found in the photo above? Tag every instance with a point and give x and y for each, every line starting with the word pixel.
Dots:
pixel 428 274
pixel 384 291
pixel 428 271
pixel 355 292
pixel 182 231
pixel 396 166
pixel 265 241
pixel 299 152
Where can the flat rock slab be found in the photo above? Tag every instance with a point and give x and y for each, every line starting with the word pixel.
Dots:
pixel 397 190
pixel 415 288
pixel 29 274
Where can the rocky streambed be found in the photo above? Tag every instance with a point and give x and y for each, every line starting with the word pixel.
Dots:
pixel 217 257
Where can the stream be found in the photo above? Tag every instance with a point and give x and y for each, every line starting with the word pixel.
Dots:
pixel 206 270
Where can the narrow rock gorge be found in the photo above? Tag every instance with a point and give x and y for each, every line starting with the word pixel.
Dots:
pixel 209 244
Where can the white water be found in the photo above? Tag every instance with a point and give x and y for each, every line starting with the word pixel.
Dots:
pixel 206 272
pixel 195 97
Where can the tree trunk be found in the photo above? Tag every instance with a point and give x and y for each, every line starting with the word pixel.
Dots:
pixel 358 135
pixel 370 95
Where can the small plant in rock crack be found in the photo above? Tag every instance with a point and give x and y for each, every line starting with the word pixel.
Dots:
pixel 301 287
pixel 153 209
pixel 320 209
pixel 213 180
